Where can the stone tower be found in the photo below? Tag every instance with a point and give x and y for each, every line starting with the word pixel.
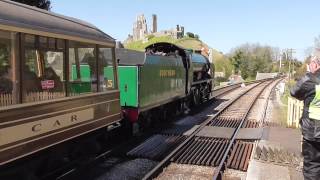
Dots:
pixel 154 23
pixel 140 29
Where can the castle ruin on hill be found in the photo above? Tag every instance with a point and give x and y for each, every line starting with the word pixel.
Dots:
pixel 140 30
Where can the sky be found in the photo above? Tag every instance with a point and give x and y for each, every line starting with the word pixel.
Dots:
pixel 222 24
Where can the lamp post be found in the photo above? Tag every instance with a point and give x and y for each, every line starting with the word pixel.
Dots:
pixel 280 63
pixel 289 73
pixel 290 61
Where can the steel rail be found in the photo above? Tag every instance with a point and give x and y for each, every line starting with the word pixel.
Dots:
pixel 156 170
pixel 225 89
pixel 223 163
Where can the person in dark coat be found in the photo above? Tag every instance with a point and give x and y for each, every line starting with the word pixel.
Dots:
pixel 50 74
pixel 30 80
pixel 307 89
pixel 6 84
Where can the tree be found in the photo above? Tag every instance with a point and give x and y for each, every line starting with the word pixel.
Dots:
pixel 317 42
pixel 190 34
pixel 236 60
pixel 223 64
pixel 43 4
pixel 300 68
pixel 150 36
pixel 4 56
pixel 252 58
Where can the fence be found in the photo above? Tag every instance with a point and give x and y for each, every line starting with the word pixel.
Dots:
pixel 6 99
pixel 295 109
pixel 9 99
pixel 42 96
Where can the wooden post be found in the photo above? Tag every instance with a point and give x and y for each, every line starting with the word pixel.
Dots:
pixel 295 110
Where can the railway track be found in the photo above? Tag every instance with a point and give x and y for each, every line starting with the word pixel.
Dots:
pixel 167 141
pixel 222 141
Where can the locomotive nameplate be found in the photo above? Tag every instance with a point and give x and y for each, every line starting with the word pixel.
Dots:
pixel 167 73
pixel 28 130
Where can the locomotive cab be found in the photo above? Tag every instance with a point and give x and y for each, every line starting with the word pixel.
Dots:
pixel 168 49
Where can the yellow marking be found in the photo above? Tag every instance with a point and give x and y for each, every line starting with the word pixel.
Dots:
pixel 110 83
pixel 167 73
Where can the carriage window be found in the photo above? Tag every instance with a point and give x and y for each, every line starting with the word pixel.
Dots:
pixel 60 44
pixel 29 40
pixel 52 43
pixel 43 42
pixel 9 87
pixel 42 72
pixel 107 80
pixel 82 68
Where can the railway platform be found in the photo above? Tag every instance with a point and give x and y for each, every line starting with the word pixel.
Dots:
pixel 277 155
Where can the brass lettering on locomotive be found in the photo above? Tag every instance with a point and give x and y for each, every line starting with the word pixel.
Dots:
pixel 167 73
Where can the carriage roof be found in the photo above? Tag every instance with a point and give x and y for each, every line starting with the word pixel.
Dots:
pixel 23 18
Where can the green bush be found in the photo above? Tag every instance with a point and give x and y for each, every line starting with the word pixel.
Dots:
pixel 150 36
pixel 190 35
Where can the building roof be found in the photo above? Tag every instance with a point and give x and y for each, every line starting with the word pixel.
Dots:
pixel 30 19
pixel 265 75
